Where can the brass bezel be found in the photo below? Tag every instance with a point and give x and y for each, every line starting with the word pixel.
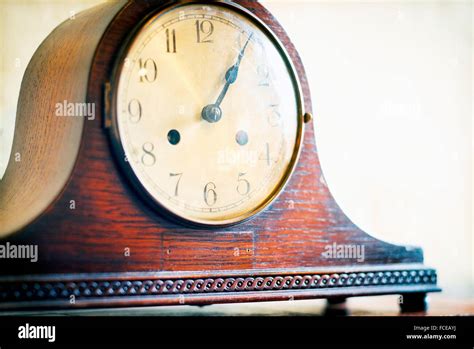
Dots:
pixel 110 119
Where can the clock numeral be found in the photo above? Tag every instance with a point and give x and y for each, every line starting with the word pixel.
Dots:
pixel 170 41
pixel 135 111
pixel 274 118
pixel 210 195
pixel 204 30
pixel 243 186
pixel 148 70
pixel 148 158
pixel 264 75
pixel 266 157
pixel 179 175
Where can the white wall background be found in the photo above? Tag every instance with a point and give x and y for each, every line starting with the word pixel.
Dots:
pixel 391 84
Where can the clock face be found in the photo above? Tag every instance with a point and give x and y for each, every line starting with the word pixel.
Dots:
pixel 207 113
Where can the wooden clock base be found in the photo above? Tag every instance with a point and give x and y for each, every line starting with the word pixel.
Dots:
pixel 100 245
pixel 139 289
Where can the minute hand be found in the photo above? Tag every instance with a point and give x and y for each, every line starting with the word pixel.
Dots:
pixel 231 74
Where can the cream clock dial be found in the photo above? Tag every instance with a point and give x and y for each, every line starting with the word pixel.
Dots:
pixel 207 113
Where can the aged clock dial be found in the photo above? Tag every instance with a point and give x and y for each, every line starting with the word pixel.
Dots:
pixel 207 113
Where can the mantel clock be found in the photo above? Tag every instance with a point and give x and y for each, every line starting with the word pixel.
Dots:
pixel 193 180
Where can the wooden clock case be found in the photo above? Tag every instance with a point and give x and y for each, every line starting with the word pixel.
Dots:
pixel 101 245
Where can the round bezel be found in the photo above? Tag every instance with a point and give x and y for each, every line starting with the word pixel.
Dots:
pixel 118 147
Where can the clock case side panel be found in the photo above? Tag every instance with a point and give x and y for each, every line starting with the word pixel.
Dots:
pixel 111 229
pixel 46 142
pixel 49 135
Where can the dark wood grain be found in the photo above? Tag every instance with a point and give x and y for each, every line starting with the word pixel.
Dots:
pixel 110 219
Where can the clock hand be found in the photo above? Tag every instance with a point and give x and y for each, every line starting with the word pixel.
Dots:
pixel 213 112
pixel 232 72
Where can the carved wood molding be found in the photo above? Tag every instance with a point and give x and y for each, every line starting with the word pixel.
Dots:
pixel 45 290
